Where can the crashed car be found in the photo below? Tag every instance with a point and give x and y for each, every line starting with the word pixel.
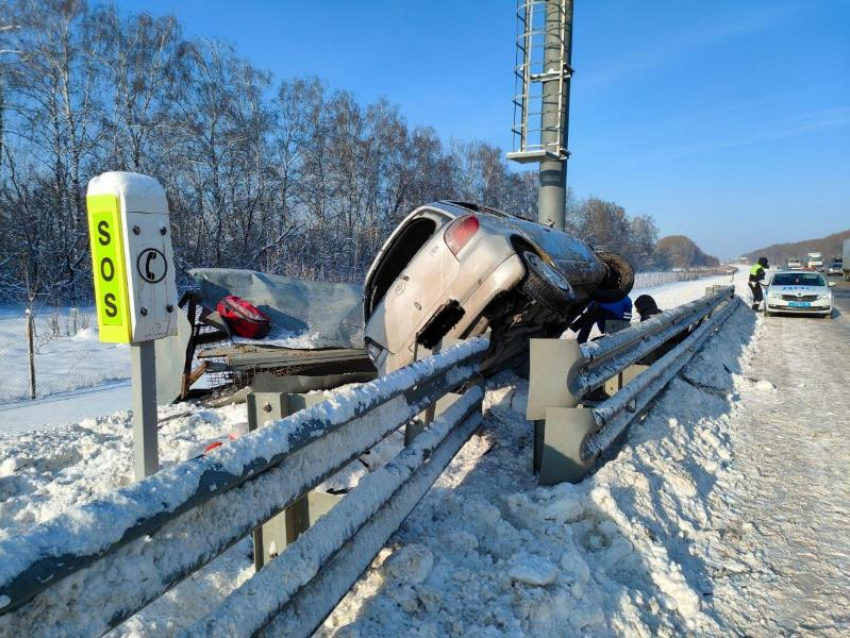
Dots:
pixel 453 270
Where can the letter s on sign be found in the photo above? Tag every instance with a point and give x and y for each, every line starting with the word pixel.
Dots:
pixel 110 308
pixel 103 233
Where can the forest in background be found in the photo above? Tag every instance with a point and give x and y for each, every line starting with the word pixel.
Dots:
pixel 287 176
pixel 830 247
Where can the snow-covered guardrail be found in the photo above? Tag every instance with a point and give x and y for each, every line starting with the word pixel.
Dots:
pixel 90 568
pixel 580 420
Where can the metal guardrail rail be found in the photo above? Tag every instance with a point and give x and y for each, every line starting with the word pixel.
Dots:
pixel 85 571
pixel 573 423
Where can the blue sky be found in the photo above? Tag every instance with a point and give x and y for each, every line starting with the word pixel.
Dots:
pixel 728 121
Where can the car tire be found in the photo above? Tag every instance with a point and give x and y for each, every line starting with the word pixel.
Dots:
pixel 619 280
pixel 544 284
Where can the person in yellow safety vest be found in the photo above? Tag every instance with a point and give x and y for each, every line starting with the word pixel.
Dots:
pixel 756 277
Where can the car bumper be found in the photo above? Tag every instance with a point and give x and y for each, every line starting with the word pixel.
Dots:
pixel 773 306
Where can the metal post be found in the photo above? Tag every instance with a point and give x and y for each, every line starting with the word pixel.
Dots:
pixel 552 194
pixel 143 373
pixel 31 350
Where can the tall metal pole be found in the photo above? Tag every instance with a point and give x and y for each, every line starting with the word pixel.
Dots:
pixel 143 372
pixel 552 193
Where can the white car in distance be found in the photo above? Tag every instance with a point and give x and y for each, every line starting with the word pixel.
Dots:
pixel 800 293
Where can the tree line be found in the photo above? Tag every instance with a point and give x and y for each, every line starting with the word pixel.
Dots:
pixel 290 177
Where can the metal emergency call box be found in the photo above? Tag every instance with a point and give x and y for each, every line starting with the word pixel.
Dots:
pixel 132 258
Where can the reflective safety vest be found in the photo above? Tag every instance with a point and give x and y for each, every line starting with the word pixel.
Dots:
pixel 756 272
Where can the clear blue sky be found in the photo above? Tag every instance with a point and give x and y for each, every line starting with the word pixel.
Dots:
pixel 728 121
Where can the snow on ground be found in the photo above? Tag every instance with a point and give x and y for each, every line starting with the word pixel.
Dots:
pixel 626 552
pixel 778 547
pixel 63 408
pixel 487 553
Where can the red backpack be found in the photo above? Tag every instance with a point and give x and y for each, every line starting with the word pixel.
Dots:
pixel 244 319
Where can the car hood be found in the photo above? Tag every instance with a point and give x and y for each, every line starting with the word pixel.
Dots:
pixel 799 290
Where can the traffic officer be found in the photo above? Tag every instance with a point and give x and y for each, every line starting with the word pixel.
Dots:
pixel 756 277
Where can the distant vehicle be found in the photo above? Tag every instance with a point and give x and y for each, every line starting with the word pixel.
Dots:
pixel 815 261
pixel 836 268
pixel 846 260
pixel 799 293
pixel 794 264
pixel 455 270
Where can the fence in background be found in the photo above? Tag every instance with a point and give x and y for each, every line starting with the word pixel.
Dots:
pixel 661 277
pixel 51 351
pixel 93 566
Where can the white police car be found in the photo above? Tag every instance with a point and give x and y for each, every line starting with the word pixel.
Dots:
pixel 800 293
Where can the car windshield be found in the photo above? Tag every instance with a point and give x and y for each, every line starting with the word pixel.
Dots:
pixel 797 279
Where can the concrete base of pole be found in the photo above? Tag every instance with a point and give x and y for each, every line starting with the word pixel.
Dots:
pixel 145 444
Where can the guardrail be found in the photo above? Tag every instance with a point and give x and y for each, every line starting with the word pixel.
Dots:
pixel 93 566
pixel 579 412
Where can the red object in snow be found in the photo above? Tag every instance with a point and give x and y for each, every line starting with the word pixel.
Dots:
pixel 212 446
pixel 244 319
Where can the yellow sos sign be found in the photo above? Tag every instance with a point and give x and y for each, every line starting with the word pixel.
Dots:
pixel 109 268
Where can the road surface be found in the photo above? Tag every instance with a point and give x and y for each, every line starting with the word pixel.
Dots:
pixel 782 557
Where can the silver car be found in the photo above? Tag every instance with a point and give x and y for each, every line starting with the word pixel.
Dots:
pixel 453 270
pixel 800 293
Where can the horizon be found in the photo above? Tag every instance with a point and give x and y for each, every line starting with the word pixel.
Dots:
pixel 661 110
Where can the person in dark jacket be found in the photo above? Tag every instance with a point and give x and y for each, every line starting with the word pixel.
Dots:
pixel 646 307
pixel 600 313
pixel 756 277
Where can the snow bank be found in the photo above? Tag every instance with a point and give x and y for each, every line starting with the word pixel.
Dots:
pixel 609 556
pixel 487 552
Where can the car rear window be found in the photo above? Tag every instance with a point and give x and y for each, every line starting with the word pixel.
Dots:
pixel 408 242
pixel 797 279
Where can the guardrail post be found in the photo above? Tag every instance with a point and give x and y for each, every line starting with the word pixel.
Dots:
pixel 551 361
pixel 567 429
pixel 279 531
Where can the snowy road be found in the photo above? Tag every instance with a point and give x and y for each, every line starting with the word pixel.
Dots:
pixel 782 522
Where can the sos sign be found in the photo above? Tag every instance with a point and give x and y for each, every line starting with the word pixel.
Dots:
pixel 132 259
pixel 108 268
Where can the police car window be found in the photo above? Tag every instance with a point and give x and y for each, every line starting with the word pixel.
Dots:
pixel 797 279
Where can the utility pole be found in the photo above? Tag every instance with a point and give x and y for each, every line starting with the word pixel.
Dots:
pixel 542 101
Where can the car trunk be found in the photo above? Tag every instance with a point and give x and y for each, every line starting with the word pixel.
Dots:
pixel 413 296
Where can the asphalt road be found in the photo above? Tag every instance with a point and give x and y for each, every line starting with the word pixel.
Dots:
pixel 784 507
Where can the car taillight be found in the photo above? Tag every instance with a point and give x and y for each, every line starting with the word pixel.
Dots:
pixel 460 231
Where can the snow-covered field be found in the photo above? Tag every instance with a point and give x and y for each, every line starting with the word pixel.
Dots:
pixel 62 363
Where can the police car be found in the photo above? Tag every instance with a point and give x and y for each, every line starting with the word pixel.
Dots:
pixel 800 293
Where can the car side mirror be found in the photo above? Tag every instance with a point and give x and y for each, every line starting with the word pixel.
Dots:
pixel 831 284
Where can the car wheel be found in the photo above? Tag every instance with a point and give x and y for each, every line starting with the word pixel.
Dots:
pixel 544 284
pixel 619 280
